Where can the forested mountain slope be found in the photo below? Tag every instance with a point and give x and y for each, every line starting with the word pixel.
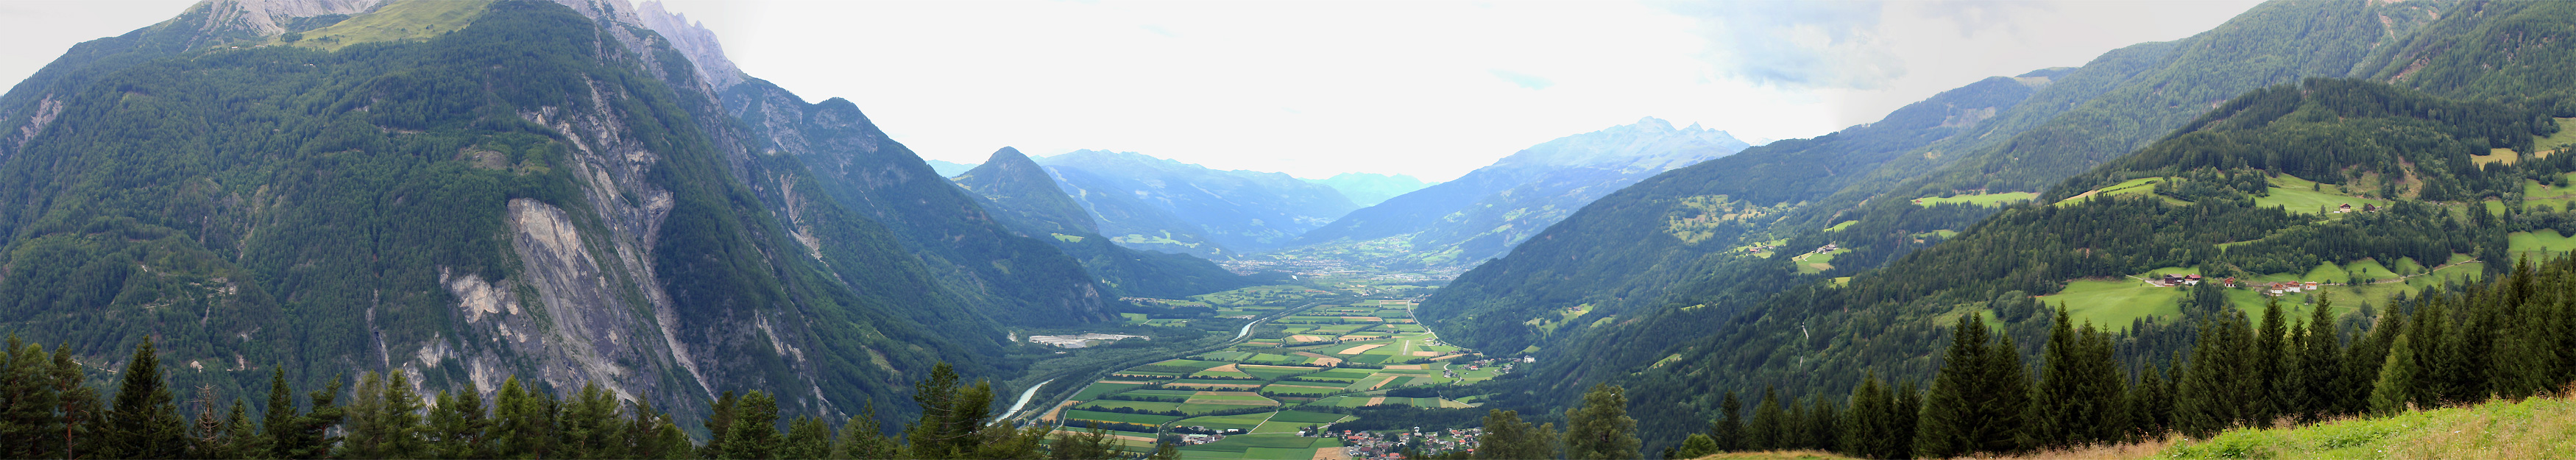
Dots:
pixel 534 188
pixel 2443 186
pixel 1652 286
pixel 1021 194
pixel 1485 213
pixel 1243 210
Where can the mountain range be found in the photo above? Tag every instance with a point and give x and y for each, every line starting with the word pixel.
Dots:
pixel 1486 212
pixel 1165 205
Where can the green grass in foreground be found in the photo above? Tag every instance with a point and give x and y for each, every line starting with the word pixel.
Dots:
pixel 2532 428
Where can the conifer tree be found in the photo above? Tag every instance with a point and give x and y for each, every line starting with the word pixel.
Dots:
pixel 863 438
pixel 2396 386
pixel 1908 415
pixel 1769 420
pixel 2211 392
pixel 807 438
pixel 1979 398
pixel 1793 427
pixel 367 433
pixel 2319 381
pixel 239 433
pixel 28 427
pixel 2362 362
pixel 652 434
pixel 2079 396
pixel 1824 425
pixel 719 420
pixel 2151 404
pixel 459 425
pixel 754 434
pixel 1728 432
pixel 523 422
pixel 311 431
pixel 80 409
pixel 2266 366
pixel 952 416
pixel 277 432
pixel 1601 429
pixel 145 422
pixel 590 424
pixel 1868 432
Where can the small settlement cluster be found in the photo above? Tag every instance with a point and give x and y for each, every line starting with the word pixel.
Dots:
pixel 2269 289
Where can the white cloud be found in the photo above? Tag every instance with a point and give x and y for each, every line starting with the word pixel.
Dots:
pixel 1432 88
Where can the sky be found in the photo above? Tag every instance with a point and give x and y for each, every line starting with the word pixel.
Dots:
pixel 1431 88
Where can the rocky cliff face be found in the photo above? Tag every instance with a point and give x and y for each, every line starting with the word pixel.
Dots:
pixel 554 192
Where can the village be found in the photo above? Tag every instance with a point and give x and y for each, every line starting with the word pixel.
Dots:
pixel 2270 289
pixel 1363 445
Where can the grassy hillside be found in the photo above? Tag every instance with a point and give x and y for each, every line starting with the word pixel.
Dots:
pixel 2539 427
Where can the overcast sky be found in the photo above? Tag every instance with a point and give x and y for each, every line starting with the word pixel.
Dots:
pixel 1428 88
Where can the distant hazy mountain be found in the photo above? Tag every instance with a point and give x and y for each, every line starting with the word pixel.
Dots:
pixel 1369 189
pixel 1242 210
pixel 1484 213
pixel 948 168
pixel 1022 195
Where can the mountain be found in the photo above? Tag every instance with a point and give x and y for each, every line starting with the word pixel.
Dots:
pixel 470 190
pixel 949 169
pixel 1598 295
pixel 1021 194
pixel 1369 189
pixel 1147 203
pixel 1484 213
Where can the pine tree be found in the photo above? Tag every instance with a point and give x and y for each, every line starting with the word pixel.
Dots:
pixel 2210 392
pixel 719 420
pixel 952 416
pixel 1601 429
pixel 400 418
pixel 2320 370
pixel 145 422
pixel 2079 395
pixel 2261 407
pixel 754 434
pixel 1868 431
pixel 277 431
pixel 1728 432
pixel 2396 387
pixel 366 431
pixel 807 438
pixel 863 438
pixel 311 431
pixel 1907 418
pixel 81 410
pixel 28 427
pixel 523 422
pixel 2151 404
pixel 1824 425
pixel 591 426
pixel 1092 444
pixel 652 434
pixel 1768 430
pixel 1979 398
pixel 460 426
pixel 239 432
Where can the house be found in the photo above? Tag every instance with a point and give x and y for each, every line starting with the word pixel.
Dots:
pixel 2347 207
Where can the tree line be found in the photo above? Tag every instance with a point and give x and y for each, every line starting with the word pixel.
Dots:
pixel 49 410
pixel 2510 338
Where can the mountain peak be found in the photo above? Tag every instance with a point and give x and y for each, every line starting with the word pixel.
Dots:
pixel 1010 155
pixel 692 39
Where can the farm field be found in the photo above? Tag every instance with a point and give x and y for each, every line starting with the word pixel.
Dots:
pixel 1987 200
pixel 2114 303
pixel 1301 370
